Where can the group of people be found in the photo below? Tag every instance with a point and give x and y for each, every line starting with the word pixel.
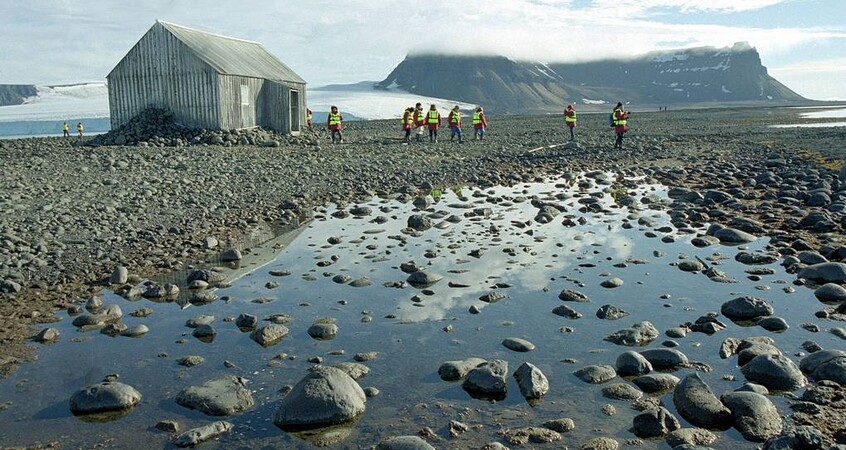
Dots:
pixel 618 120
pixel 66 129
pixel 413 118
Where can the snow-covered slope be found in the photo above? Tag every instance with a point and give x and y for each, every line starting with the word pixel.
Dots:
pixel 58 103
pixel 363 101
pixel 91 100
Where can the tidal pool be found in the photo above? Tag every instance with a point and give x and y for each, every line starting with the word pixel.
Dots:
pixel 496 246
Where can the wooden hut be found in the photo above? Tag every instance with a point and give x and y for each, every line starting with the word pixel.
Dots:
pixel 207 80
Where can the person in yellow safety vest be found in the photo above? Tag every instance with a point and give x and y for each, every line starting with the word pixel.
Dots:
pixel 308 118
pixel 65 130
pixel 419 121
pixel 333 123
pixel 454 120
pixel 79 129
pixel 620 120
pixel 480 123
pixel 433 119
pixel 570 120
pixel 408 123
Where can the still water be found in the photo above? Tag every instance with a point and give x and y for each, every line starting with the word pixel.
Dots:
pixel 527 261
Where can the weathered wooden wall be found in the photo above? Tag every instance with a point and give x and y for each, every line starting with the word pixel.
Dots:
pixel 159 71
pixel 162 71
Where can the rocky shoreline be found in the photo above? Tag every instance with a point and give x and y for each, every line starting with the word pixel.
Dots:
pixel 73 214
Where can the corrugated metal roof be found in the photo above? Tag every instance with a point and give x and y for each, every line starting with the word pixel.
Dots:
pixel 231 56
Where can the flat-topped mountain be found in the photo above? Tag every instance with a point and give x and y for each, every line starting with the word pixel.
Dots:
pixel 687 76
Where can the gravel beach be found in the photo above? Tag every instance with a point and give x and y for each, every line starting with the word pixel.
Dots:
pixel 73 214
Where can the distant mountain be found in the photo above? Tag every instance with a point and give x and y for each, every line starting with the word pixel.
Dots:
pixel 688 76
pixel 14 94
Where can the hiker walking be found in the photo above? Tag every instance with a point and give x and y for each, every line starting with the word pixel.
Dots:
pixel 480 123
pixel 454 119
pixel 308 119
pixel 79 129
pixel 65 130
pixel 333 123
pixel 433 119
pixel 419 121
pixel 620 119
pixel 570 120
pixel 408 123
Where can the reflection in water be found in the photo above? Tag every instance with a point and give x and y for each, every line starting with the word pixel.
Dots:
pixel 496 246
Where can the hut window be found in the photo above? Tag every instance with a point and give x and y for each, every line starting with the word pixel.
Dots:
pixel 245 95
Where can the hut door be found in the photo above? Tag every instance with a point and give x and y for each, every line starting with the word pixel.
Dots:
pixel 245 106
pixel 294 113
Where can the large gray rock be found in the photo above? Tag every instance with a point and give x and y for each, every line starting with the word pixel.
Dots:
pixel 404 443
pixel 665 358
pixel 775 372
pixel 746 308
pixel 825 365
pixel 733 236
pixel 326 396
pixel 695 401
pixel 830 272
pixel 640 333
pixel 219 397
pixel 269 334
pixel 518 344
pixel 596 374
pixel 323 330
pixel 108 396
pixel 632 363
pixel 419 222
pixel 109 314
pixel 423 279
pixel 196 436
pixel 569 295
pixel 610 312
pixel 119 276
pixel 690 436
pixel 753 415
pixel 488 379
pixel 532 382
pixel 656 382
pixel 831 293
pixel 654 423
pixel 457 370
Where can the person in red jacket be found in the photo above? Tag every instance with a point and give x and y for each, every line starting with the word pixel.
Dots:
pixel 480 123
pixel 570 120
pixel 454 119
pixel 333 123
pixel 408 123
pixel 620 120
pixel 433 120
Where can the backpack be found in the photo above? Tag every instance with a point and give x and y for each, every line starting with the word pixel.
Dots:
pixel 611 119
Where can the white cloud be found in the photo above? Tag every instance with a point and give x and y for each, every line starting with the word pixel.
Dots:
pixel 343 41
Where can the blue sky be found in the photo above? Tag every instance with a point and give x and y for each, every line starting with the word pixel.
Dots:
pixel 802 42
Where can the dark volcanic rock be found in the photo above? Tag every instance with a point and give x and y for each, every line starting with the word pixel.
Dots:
pixel 746 308
pixel 695 401
pixel 108 396
pixel 753 415
pixel 326 396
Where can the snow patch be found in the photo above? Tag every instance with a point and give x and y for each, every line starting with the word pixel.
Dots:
pixel 588 101
pixel 725 91
pixel 364 101
pixel 89 100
